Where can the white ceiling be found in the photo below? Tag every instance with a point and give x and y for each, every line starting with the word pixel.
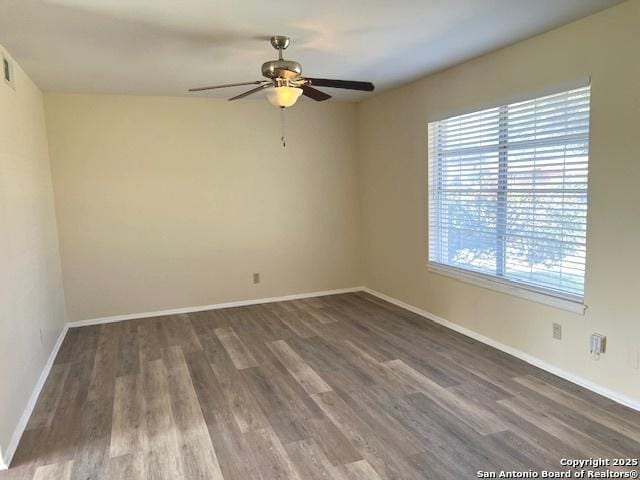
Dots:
pixel 166 46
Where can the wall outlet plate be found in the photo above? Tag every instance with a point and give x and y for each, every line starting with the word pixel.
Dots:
pixel 557 331
pixel 256 278
pixel 7 72
pixel 598 344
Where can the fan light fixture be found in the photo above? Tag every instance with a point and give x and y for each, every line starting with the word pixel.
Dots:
pixel 284 83
pixel 283 96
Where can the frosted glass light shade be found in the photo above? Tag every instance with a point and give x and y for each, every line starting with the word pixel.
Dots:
pixel 283 96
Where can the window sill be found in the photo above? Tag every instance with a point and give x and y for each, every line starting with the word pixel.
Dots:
pixel 508 287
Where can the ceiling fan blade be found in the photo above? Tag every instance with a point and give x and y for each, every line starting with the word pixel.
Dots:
pixel 317 95
pixel 348 84
pixel 199 89
pixel 249 92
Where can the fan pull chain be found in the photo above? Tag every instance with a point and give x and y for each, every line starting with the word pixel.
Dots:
pixel 282 138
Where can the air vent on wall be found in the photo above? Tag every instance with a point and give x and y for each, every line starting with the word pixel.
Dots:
pixel 7 71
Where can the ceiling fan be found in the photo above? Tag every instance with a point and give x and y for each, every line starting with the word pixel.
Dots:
pixel 284 81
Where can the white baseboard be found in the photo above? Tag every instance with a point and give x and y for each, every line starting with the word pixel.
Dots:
pixel 216 306
pixel 33 399
pixel 583 382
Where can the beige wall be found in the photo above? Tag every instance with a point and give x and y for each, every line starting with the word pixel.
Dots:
pixel 31 296
pixel 175 202
pixel 393 157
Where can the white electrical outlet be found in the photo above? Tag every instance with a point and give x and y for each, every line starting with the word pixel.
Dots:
pixel 7 72
pixel 256 278
pixel 597 345
pixel 635 359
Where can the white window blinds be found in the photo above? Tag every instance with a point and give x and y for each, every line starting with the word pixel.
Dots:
pixel 508 192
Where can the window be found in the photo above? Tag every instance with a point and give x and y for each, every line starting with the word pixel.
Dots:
pixel 508 193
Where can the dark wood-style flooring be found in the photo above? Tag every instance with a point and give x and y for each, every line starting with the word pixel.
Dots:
pixel 341 387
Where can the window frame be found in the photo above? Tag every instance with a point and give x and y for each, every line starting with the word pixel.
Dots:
pixel 548 296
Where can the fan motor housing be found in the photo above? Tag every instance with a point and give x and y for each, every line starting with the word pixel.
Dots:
pixel 281 69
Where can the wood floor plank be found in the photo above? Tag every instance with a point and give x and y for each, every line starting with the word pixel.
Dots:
pixel 164 464
pixel 271 457
pixel 92 455
pixel 237 351
pixel 284 409
pixel 368 408
pixel 624 412
pixel 456 448
pixel 556 428
pixel 596 431
pixel 199 458
pixel 530 454
pixel 475 416
pixel 163 460
pixel 570 401
pixel 311 323
pixel 213 349
pixel 102 382
pixel 572 388
pixel 329 360
pixel 128 467
pixel 128 434
pixel 298 368
pixel 360 470
pixel 207 320
pixel 182 330
pixel 50 397
pixel 65 354
pixel 239 399
pixel 207 388
pixel 324 315
pixel 311 462
pixel 372 367
pixel 297 325
pixel 83 358
pixel 331 441
pixel 237 457
pixel 269 325
pixel 149 336
pixel 128 350
pixel 455 442
pixel 536 435
pixel 56 471
pixel 364 438
pixel 433 466
pixel 314 302
pixel 232 449
pixel 58 443
pixel 32 453
pixel 164 326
